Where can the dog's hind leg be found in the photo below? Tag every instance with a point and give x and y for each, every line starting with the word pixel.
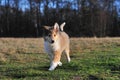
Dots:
pixel 67 54
pixel 59 63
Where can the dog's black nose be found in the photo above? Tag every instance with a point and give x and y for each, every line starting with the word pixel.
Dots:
pixel 52 41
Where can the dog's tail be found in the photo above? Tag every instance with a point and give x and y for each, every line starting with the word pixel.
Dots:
pixel 61 26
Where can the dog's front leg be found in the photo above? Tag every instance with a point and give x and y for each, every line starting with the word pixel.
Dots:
pixel 51 58
pixel 56 60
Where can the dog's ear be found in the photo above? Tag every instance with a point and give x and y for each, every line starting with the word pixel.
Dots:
pixel 56 27
pixel 46 27
pixel 62 25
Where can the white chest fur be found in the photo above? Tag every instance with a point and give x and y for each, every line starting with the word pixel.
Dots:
pixel 49 48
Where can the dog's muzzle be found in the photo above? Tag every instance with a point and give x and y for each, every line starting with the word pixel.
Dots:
pixel 49 40
pixel 52 41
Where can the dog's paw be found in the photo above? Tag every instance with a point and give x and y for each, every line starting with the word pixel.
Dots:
pixel 51 69
pixel 59 63
pixel 53 66
pixel 69 60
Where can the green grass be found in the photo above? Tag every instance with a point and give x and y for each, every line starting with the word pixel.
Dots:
pixel 91 59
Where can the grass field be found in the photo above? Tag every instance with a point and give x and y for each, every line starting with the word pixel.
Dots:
pixel 91 59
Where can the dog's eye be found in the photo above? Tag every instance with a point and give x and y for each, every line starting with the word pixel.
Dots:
pixel 54 35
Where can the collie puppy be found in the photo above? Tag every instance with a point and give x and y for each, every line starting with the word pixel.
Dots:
pixel 56 41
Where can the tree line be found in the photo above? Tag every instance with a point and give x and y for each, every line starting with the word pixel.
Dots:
pixel 84 18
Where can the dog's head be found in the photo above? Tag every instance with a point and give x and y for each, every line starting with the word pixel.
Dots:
pixel 51 33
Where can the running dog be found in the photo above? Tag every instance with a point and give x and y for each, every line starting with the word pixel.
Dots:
pixel 56 41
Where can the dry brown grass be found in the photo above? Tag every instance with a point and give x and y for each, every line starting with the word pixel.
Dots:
pixel 88 44
pixel 12 46
pixel 25 45
pixel 35 45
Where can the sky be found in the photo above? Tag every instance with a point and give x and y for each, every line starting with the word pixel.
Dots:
pixel 117 3
pixel 25 5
